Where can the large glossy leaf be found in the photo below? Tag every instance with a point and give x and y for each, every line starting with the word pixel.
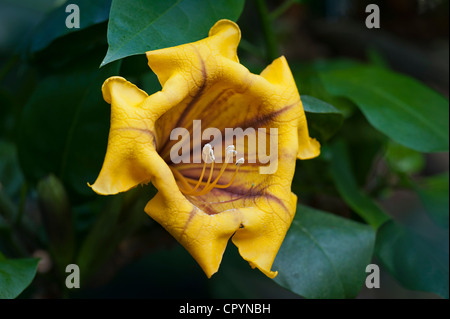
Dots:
pixel 324 256
pixel 64 126
pixel 323 118
pixel 54 24
pixel 400 107
pixel 16 275
pixel 139 26
pixel 417 263
pixel 361 203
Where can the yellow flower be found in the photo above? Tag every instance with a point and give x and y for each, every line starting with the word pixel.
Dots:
pixel 204 203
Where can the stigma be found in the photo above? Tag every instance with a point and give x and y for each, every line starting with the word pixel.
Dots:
pixel 198 187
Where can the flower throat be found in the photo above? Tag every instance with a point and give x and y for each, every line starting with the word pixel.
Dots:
pixel 192 187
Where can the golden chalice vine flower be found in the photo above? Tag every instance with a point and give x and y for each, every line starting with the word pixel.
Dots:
pixel 203 204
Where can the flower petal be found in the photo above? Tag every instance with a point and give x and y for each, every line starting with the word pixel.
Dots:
pixel 262 233
pixel 204 236
pixel 131 158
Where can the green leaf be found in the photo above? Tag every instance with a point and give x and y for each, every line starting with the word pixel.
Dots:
pixel 64 126
pixel 404 160
pixel 434 195
pixel 309 83
pixel 416 262
pixel 138 26
pixel 361 203
pixel 54 24
pixel 323 118
pixel 324 256
pixel 400 107
pixel 16 275
pixel 365 145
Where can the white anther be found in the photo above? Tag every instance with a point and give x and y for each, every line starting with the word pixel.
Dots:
pixel 211 155
pixel 229 155
pixel 206 149
pixel 240 161
pixel 208 154
pixel 229 148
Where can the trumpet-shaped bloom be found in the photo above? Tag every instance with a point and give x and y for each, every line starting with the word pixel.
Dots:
pixel 204 204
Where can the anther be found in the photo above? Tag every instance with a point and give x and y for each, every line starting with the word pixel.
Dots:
pixel 230 152
pixel 209 184
pixel 211 155
pixel 206 149
pixel 229 148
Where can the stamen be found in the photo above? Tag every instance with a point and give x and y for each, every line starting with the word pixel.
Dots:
pixel 230 152
pixel 206 151
pixel 208 186
pixel 228 157
pixel 209 153
pixel 229 148
pixel 239 162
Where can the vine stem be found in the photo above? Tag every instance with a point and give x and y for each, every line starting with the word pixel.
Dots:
pixel 267 28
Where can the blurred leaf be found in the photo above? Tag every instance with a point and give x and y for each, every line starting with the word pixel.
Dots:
pixel 376 58
pixel 120 217
pixel 416 262
pixel 139 26
pixel 54 24
pixel 363 205
pixel 11 177
pixel 323 119
pixel 164 273
pixel 16 275
pixel 64 126
pixel 400 107
pixel 434 193
pixel 8 210
pixel 365 146
pixel 325 65
pixel 324 256
pixel 309 83
pixel 57 219
pixel 404 160
pixel 102 240
pixel 64 51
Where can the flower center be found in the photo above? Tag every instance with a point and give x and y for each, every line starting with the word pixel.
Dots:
pixel 198 187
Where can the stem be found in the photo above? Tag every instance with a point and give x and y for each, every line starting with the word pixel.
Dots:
pixel 281 9
pixel 269 36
